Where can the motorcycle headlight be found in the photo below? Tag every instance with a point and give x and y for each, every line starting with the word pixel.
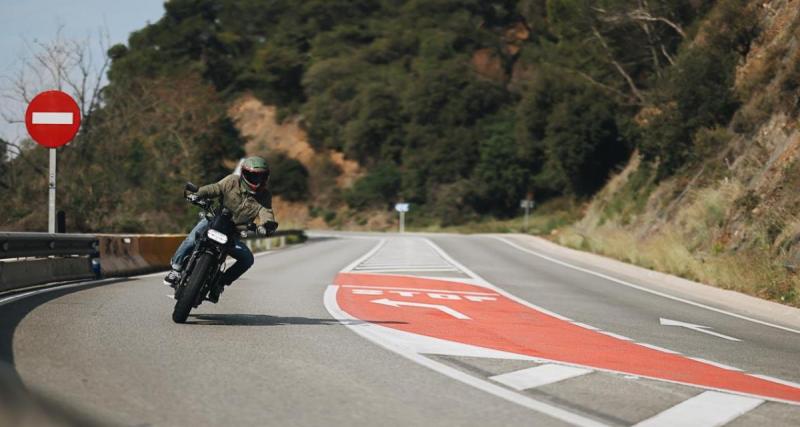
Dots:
pixel 217 236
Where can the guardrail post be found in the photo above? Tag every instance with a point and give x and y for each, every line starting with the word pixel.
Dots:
pixel 283 241
pixel 269 244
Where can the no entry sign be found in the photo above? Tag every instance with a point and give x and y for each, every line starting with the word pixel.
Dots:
pixel 52 118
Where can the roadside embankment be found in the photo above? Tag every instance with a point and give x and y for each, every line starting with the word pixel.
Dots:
pixel 657 282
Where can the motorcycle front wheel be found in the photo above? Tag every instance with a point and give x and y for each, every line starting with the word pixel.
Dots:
pixel 193 285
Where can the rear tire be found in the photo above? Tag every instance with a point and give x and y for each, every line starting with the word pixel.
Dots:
pixel 193 285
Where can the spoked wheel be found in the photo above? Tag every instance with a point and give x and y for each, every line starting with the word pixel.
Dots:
pixel 193 286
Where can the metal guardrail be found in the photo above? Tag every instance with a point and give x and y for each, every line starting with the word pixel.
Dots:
pixel 279 233
pixel 38 258
pixel 26 245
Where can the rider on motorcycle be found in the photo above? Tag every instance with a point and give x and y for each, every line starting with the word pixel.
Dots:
pixel 250 201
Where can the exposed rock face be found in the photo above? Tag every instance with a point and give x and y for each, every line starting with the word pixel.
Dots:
pixel 489 64
pixel 259 126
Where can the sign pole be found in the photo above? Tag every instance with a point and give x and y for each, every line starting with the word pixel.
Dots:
pixel 527 210
pixel 52 119
pixel 402 222
pixel 51 215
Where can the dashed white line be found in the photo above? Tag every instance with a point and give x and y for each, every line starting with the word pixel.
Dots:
pixel 709 408
pixel 642 288
pixel 538 376
pixel 372 333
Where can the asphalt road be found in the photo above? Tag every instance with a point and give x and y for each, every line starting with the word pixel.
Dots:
pixel 272 353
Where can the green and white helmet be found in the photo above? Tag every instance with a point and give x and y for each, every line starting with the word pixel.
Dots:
pixel 254 173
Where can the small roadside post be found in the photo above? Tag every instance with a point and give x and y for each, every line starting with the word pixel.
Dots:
pixel 52 120
pixel 526 204
pixel 402 208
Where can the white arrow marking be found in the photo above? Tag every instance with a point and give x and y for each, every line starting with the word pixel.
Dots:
pixel 698 328
pixel 444 308
pixel 52 118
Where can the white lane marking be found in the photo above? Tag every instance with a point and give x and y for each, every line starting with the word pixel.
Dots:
pixel 613 335
pixel 717 364
pixel 369 331
pixel 709 408
pixel 697 328
pixel 655 347
pixel 55 288
pixel 404 269
pixel 443 308
pixel 775 380
pixel 585 326
pixel 419 290
pixel 366 256
pixel 642 288
pixel 52 118
pixel 480 281
pixel 538 376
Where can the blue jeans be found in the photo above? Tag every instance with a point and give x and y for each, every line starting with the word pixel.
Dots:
pixel 239 252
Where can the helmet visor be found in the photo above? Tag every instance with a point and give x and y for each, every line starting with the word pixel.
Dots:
pixel 255 178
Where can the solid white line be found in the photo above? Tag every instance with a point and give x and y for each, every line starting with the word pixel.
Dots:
pixel 404 270
pixel 365 257
pixel 403 265
pixel 585 326
pixel 776 380
pixel 613 335
pixel 439 291
pixel 539 376
pixel 655 347
pixel 55 288
pixel 717 364
pixel 642 288
pixel 366 330
pixel 709 408
pixel 479 281
pixel 52 118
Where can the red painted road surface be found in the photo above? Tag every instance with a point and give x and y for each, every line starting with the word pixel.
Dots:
pixel 496 322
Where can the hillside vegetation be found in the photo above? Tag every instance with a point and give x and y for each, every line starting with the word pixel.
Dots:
pixel 461 108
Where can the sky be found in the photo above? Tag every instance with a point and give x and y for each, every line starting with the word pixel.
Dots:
pixel 29 20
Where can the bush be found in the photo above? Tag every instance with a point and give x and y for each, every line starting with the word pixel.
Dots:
pixel 377 190
pixel 289 178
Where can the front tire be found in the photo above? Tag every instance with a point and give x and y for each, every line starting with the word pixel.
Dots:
pixel 193 286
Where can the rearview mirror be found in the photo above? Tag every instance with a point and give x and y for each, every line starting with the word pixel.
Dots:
pixel 191 187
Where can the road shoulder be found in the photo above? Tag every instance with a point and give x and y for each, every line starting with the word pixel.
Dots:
pixel 678 287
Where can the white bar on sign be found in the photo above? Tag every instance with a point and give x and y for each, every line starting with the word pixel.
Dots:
pixel 52 118
pixel 539 376
pixel 710 408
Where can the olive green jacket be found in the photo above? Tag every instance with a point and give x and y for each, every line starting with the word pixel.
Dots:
pixel 246 207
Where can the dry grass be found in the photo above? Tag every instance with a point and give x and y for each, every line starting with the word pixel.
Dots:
pixel 689 246
pixel 551 216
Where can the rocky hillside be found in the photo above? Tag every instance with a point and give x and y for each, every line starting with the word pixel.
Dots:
pixel 733 218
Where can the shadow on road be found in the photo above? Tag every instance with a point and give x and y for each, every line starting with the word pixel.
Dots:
pixel 267 320
pixel 19 405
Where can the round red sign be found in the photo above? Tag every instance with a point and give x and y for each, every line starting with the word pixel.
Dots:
pixel 52 118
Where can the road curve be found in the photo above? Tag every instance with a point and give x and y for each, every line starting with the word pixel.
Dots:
pixel 272 353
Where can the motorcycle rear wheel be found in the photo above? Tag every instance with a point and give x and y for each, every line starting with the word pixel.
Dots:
pixel 194 284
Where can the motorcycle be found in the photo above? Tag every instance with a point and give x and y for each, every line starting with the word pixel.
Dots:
pixel 204 267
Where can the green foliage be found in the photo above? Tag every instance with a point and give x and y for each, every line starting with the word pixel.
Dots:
pixel 289 178
pixel 458 106
pixel 377 189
